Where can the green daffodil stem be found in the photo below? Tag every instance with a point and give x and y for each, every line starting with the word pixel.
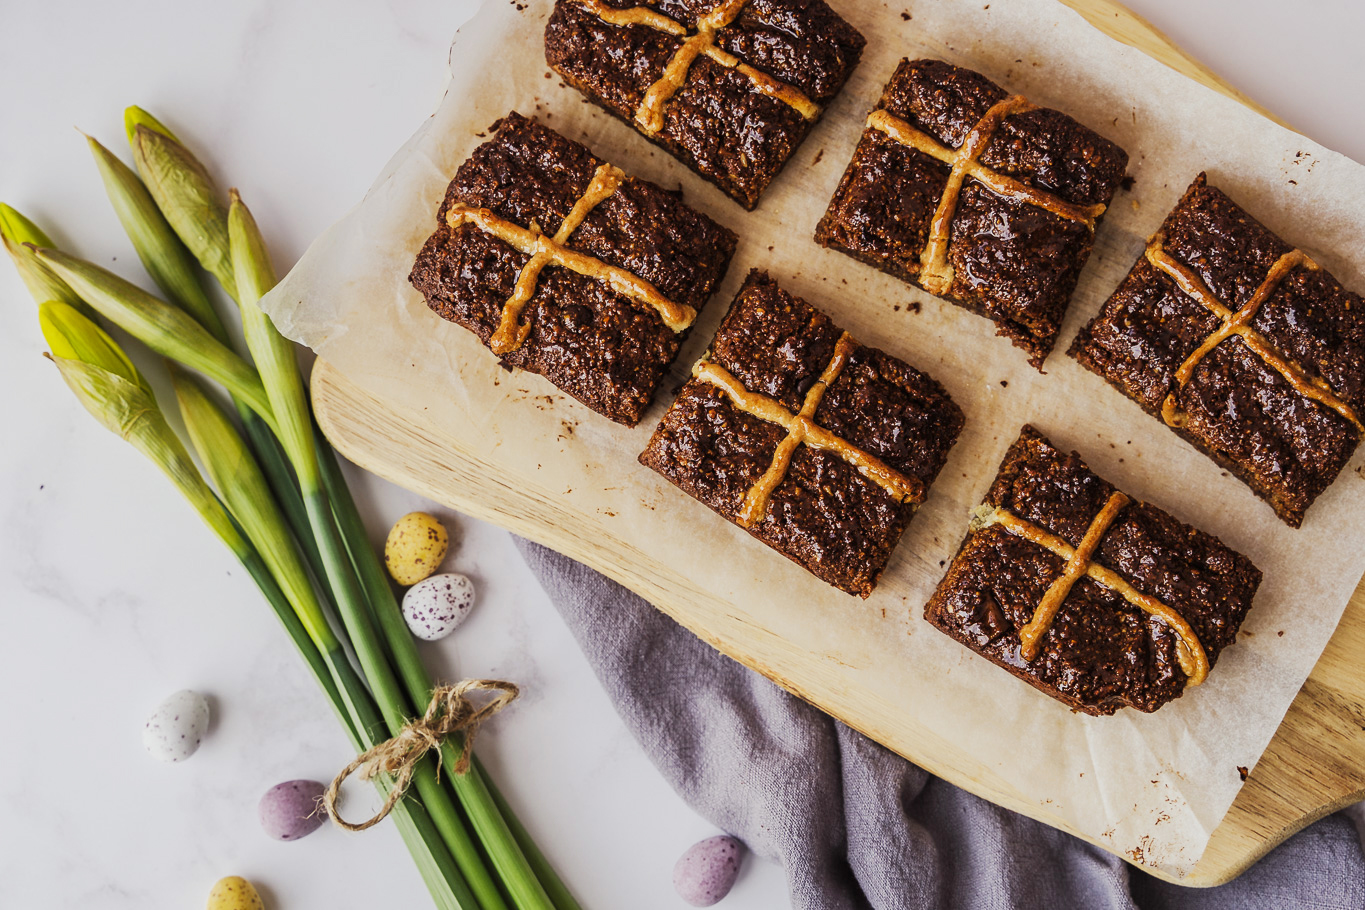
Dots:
pixel 545 872
pixel 526 885
pixel 274 356
pixel 242 485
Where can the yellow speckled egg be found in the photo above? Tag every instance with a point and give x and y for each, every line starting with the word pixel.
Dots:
pixel 416 545
pixel 234 893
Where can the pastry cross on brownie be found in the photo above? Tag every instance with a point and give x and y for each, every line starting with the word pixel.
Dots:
pixel 649 116
pixel 1239 323
pixel 512 332
pixel 936 272
pixel 1095 598
pixel 818 446
pixel 1243 345
pixel 730 87
pixel 1190 653
pixel 565 266
pixel 802 428
pixel 976 195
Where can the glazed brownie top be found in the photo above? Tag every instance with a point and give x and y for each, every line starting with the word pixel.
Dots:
pixel 1041 147
pixel 1249 394
pixel 821 447
pixel 730 86
pixel 531 176
pixel 1116 637
pixel 800 43
pixel 780 347
pixel 976 195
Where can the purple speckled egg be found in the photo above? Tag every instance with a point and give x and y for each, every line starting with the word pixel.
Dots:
pixel 707 871
pixel 290 810
pixel 435 606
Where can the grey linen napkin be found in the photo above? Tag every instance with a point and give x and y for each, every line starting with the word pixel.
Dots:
pixel 856 826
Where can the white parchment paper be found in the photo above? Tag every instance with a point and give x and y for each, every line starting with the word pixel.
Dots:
pixel 1151 787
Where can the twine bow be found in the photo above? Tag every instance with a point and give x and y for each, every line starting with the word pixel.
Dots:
pixel 450 712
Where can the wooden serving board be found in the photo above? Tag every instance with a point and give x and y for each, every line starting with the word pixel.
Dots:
pixel 1314 765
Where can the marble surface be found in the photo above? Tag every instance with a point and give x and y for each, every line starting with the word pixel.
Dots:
pixel 113 596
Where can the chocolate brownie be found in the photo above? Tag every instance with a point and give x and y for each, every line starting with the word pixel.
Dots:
pixel 730 87
pixel 975 195
pixel 1100 600
pixel 565 266
pixel 819 446
pixel 1241 344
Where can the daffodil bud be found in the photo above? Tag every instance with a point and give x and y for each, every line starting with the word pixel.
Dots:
pixel 163 255
pixel 17 233
pixel 129 410
pixel 70 335
pixel 184 192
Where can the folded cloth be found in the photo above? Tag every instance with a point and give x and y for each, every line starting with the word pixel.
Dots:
pixel 856 826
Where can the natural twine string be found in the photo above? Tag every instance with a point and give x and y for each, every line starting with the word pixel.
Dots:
pixel 449 712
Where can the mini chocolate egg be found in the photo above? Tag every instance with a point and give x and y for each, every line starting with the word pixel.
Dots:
pixel 707 871
pixel 234 893
pixel 176 728
pixel 415 547
pixel 290 810
pixel 435 606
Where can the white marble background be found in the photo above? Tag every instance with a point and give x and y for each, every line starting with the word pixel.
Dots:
pixel 112 596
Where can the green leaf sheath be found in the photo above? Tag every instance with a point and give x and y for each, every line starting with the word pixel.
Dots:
pixel 243 487
pixel 163 255
pixel 273 353
pixel 510 862
pixel 163 328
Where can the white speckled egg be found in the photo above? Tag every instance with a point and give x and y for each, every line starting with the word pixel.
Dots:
pixel 416 544
pixel 176 728
pixel 707 871
pixel 435 606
